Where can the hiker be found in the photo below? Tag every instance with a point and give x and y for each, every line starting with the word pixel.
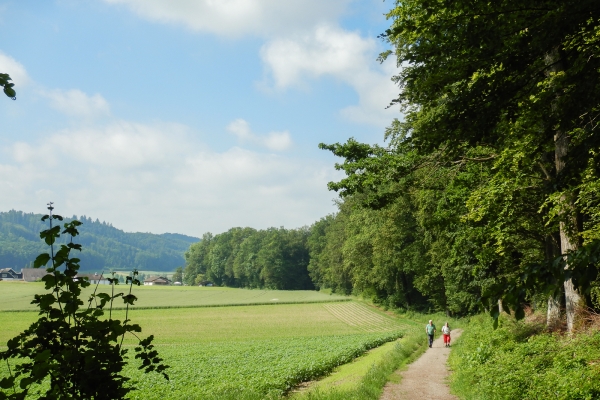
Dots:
pixel 430 330
pixel 446 332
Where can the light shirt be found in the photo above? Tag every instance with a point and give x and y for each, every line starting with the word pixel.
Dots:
pixel 430 329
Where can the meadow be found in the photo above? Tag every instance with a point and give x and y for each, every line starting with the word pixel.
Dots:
pixel 243 351
pixel 16 295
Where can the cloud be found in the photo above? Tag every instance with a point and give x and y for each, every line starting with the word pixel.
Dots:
pixel 16 70
pixel 277 141
pixel 234 18
pixel 158 178
pixel 343 55
pixel 76 103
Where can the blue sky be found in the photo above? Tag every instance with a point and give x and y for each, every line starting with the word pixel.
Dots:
pixel 187 116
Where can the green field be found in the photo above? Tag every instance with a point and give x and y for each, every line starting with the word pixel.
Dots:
pixel 236 351
pixel 17 295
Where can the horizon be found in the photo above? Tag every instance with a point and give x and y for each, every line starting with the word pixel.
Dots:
pixel 184 116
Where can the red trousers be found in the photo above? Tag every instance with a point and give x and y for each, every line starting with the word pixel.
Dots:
pixel 446 339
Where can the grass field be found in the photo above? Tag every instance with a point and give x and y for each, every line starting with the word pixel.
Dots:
pixel 16 295
pixel 236 352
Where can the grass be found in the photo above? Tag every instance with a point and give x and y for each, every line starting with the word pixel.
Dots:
pixel 371 372
pixel 254 351
pixel 522 360
pixel 365 377
pixel 245 351
pixel 17 296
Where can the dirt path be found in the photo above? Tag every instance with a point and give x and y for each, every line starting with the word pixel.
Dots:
pixel 424 378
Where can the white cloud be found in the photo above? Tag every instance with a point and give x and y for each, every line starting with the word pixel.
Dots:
pixel 16 70
pixel 76 103
pixel 157 178
pixel 277 141
pixel 234 18
pixel 343 55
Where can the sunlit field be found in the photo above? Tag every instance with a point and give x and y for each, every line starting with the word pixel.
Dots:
pixel 238 351
pixel 18 295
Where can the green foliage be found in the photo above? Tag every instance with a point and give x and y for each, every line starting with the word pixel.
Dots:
pixel 516 361
pixel 178 275
pixel 206 346
pixel 76 348
pixel 244 257
pixel 269 367
pixel 495 159
pixel 105 247
pixel 7 86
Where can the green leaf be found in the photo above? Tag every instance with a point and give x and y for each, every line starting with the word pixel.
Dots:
pixel 41 260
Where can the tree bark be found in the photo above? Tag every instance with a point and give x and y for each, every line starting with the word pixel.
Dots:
pixel 568 228
pixel 553 314
pixel 567 242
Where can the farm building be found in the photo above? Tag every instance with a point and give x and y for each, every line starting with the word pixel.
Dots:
pixel 156 280
pixel 94 278
pixel 8 274
pixel 33 274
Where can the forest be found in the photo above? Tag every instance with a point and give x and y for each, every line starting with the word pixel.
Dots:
pixel 485 195
pixel 105 247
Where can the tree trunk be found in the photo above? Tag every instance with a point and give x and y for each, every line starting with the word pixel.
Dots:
pixel 553 251
pixel 500 308
pixel 568 241
pixel 553 314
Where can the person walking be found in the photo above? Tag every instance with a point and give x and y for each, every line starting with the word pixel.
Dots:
pixel 430 330
pixel 446 333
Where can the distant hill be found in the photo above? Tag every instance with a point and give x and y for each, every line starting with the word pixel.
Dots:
pixel 104 246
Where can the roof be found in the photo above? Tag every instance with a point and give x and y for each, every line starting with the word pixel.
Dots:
pixel 33 274
pixel 92 277
pixel 156 279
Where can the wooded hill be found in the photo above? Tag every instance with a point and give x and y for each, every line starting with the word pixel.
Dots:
pixel 104 246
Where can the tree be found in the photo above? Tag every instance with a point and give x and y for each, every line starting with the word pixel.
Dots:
pixel 509 75
pixel 178 275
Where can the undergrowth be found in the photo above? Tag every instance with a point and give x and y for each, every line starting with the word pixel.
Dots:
pixel 520 360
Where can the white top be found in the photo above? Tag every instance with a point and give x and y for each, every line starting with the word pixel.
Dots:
pixel 445 330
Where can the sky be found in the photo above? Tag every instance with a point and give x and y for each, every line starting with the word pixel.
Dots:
pixel 188 116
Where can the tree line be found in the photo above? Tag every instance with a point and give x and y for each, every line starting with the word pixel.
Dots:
pixel 486 192
pixel 491 176
pixel 274 258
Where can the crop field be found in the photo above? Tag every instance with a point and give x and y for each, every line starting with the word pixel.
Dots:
pixel 231 352
pixel 18 295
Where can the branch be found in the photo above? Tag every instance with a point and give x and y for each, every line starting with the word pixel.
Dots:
pixel 480 159
pixel 548 177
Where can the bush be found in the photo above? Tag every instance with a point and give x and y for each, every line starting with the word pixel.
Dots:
pixel 521 361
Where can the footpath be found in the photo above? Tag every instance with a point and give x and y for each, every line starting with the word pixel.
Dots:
pixel 426 377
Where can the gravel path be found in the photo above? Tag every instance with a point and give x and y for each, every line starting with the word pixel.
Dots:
pixel 426 377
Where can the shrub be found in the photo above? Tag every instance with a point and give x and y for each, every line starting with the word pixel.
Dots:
pixel 75 350
pixel 520 361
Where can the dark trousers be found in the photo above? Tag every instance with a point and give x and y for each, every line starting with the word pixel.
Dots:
pixel 430 339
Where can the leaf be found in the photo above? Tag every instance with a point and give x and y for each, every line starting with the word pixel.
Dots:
pixel 41 260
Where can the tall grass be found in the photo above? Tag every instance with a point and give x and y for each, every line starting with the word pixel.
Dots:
pixel 520 360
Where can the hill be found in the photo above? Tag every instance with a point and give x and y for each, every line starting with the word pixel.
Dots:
pixel 104 246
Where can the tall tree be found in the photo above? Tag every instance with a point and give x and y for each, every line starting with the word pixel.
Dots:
pixel 500 74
